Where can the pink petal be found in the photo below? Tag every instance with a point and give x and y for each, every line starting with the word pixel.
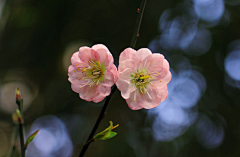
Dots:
pixel 110 58
pixel 75 73
pixel 100 46
pixel 162 93
pixel 153 61
pixel 140 55
pixel 149 103
pixel 134 105
pixel 104 91
pixel 126 74
pixel 103 47
pixel 70 68
pixel 75 58
pixel 77 81
pixel 76 88
pixel 126 54
pixel 167 78
pixel 120 83
pixel 127 89
pixel 108 80
pixel 113 70
pixel 87 92
pixel 128 63
pixel 166 64
pixel 103 57
pixel 162 80
pixel 86 54
pixel 97 97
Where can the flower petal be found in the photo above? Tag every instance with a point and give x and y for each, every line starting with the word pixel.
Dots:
pixel 103 47
pixel 128 63
pixel 166 64
pixel 162 93
pixel 134 100
pixel 126 54
pixel 77 81
pixel 113 70
pixel 100 46
pixel 76 88
pixel 151 101
pixel 70 68
pixel 108 80
pixel 126 74
pixel 87 92
pixel 140 55
pixel 75 58
pixel 75 73
pixel 104 91
pixel 103 57
pixel 97 97
pixel 153 61
pixel 86 54
pixel 127 89
pixel 162 79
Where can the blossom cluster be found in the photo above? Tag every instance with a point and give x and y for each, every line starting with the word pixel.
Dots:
pixel 142 76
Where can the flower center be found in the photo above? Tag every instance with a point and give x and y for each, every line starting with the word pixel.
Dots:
pixel 141 79
pixel 94 73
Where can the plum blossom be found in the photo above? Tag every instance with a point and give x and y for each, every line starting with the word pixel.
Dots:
pixel 143 78
pixel 92 72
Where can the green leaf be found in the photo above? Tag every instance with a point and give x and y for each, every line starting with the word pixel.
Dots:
pixel 111 135
pixel 107 133
pixel 30 138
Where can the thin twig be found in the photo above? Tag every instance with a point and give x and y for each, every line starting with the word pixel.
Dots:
pixel 103 112
pixel 100 117
pixel 20 106
pixel 138 23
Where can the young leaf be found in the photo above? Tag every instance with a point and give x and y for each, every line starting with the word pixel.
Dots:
pixel 30 138
pixel 111 135
pixel 107 133
pixel 19 116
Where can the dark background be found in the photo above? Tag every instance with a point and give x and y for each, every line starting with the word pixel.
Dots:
pixel 199 118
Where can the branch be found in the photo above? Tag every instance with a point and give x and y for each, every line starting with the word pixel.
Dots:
pixel 20 106
pixel 100 117
pixel 138 23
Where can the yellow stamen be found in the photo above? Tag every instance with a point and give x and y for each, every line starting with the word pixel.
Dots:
pixel 145 77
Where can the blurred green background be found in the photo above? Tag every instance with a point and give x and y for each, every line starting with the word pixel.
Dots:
pixel 200 38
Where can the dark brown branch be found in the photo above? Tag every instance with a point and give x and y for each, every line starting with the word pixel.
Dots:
pixel 138 23
pixel 100 117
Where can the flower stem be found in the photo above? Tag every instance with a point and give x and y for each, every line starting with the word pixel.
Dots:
pixel 20 106
pixel 103 112
pixel 138 23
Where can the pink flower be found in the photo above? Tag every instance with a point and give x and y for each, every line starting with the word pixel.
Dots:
pixel 92 72
pixel 143 78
